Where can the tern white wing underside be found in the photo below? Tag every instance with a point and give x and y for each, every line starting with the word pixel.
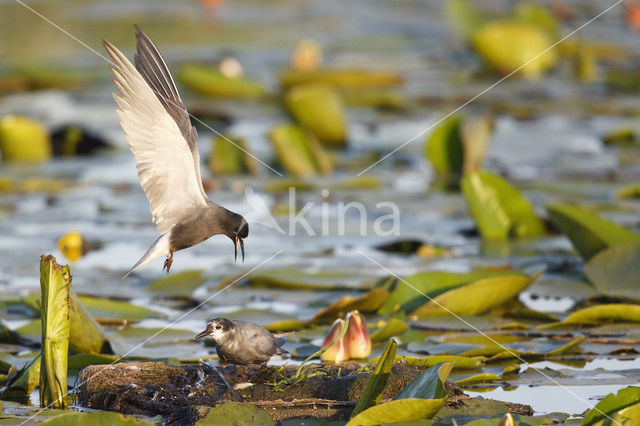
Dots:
pixel 167 160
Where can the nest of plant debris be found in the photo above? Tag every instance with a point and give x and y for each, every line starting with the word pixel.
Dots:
pixel 182 394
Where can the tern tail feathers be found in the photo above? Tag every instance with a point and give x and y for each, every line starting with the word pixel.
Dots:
pixel 159 248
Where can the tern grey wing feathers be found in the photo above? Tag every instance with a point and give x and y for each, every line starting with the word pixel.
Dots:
pixel 165 162
pixel 154 70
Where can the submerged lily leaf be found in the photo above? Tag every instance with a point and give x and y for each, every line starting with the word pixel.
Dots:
pixel 101 418
pixel 477 297
pixel 79 361
pixel 181 284
pixel 107 308
pixel 500 211
pixel 209 81
pixel 235 413
pixel 614 312
pixel 615 271
pixel 368 302
pixel 320 110
pixel 588 232
pixel 401 410
pixel 430 384
pixel 611 404
pixel 296 279
pixel 372 392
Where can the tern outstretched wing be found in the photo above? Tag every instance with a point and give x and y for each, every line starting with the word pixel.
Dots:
pixel 159 132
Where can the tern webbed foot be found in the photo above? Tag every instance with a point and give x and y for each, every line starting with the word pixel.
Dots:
pixel 168 262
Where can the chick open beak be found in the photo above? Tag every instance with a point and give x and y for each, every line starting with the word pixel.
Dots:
pixel 201 335
pixel 235 243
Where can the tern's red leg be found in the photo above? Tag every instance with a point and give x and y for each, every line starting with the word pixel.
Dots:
pixel 168 262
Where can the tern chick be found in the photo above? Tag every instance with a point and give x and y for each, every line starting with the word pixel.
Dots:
pixel 241 342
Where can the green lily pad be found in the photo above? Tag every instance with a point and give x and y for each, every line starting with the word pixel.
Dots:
pixel 430 384
pixel 295 279
pixel 376 383
pixel 229 158
pixel 400 410
pixel 155 335
pixel 300 154
pixel 211 82
pixel 343 78
pixel 611 404
pixel 393 327
pixel 410 294
pixel 478 378
pixel 614 312
pixel 615 271
pixel 444 147
pixel 368 302
pixel 320 110
pixel 235 413
pixel 181 284
pixel 588 232
pixel 107 308
pixel 477 297
pixel 500 211
pixel 510 45
pixel 101 418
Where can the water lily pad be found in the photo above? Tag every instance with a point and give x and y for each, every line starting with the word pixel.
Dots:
pixel 478 378
pixel 430 384
pixel 343 78
pixel 615 271
pixel 393 327
pixel 588 232
pixel 295 279
pixel 209 81
pixel 500 211
pixel 377 381
pixel 400 410
pixel 611 404
pixel 102 418
pixel 299 153
pixel 444 147
pixel 477 297
pixel 320 110
pixel 510 45
pixel 410 294
pixel 235 413
pixel 368 302
pixel 229 157
pixel 615 312
pixel 107 308
pixel 79 361
pixel 23 139
pixel 181 284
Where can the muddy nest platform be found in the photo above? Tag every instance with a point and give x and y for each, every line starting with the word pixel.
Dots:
pixel 185 393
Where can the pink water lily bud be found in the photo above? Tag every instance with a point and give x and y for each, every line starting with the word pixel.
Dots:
pixel 340 351
pixel 357 335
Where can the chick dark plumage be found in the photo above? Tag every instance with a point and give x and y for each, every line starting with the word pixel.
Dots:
pixel 241 342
